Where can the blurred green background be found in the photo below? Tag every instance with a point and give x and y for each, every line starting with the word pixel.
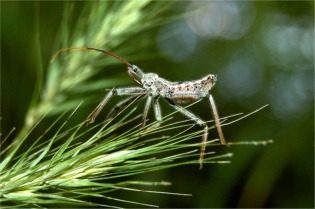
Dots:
pixel 262 52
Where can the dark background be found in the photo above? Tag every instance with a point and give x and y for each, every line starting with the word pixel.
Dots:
pixel 262 52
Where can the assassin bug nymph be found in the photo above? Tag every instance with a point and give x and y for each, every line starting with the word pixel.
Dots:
pixel 154 87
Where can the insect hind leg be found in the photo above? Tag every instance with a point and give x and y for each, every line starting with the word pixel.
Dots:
pixel 200 122
pixel 216 119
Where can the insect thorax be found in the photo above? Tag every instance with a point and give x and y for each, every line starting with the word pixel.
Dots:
pixel 155 85
pixel 148 80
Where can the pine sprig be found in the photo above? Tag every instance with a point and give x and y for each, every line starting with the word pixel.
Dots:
pixel 90 159
pixel 71 172
pixel 77 163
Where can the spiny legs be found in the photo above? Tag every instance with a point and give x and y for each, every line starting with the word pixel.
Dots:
pixel 157 112
pixel 146 110
pixel 122 104
pixel 156 108
pixel 216 119
pixel 108 96
pixel 199 122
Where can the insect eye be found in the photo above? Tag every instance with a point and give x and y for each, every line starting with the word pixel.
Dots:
pixel 134 68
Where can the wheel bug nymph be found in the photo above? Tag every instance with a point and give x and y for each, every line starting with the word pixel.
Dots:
pixel 153 87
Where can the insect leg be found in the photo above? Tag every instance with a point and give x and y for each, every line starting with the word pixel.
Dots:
pixel 119 92
pixel 97 110
pixel 157 111
pixel 199 122
pixel 216 119
pixel 146 110
pixel 123 104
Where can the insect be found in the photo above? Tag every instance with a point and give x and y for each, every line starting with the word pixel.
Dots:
pixel 154 87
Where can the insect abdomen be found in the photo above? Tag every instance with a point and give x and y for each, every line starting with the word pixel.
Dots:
pixel 183 100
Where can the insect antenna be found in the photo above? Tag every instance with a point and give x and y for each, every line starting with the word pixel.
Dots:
pixel 89 49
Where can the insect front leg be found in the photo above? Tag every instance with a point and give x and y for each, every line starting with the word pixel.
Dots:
pixel 123 104
pixel 200 122
pixel 119 92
